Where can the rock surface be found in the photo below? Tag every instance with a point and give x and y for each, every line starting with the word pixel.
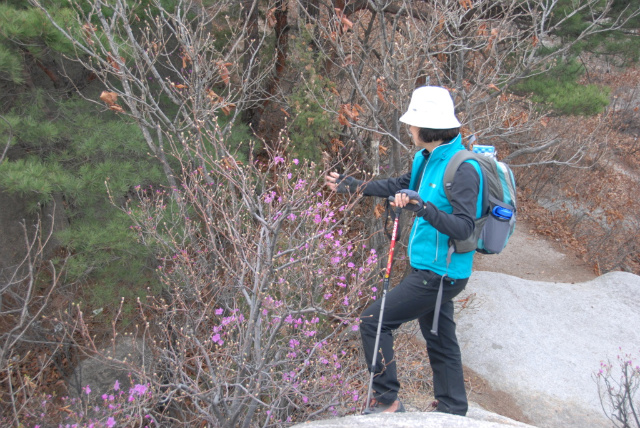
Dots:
pixel 541 342
pixel 476 418
pixel 101 371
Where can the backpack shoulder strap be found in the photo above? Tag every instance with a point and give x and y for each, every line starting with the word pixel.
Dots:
pixel 452 167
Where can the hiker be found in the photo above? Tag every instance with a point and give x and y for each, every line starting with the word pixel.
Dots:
pixel 434 129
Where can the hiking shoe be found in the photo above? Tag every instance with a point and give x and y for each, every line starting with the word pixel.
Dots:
pixel 377 407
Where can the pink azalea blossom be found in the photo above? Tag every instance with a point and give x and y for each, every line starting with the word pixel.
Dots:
pixel 140 389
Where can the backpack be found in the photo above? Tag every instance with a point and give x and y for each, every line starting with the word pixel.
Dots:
pixel 498 220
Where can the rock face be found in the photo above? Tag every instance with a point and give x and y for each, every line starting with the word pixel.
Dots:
pixel 101 372
pixel 476 418
pixel 541 342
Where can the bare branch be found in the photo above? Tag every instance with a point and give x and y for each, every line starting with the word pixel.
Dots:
pixel 9 138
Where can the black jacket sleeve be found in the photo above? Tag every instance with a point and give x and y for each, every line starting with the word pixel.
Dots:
pixel 387 186
pixel 464 198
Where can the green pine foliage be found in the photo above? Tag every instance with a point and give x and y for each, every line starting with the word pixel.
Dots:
pixel 85 155
pixel 621 46
pixel 66 149
pixel 558 89
pixel 26 29
pixel 10 66
pixel 312 126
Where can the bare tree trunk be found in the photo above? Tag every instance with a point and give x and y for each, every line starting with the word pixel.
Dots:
pixel 251 47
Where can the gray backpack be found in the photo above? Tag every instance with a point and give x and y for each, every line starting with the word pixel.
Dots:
pixel 498 220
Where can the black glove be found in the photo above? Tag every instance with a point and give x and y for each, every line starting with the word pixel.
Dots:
pixel 416 205
pixel 347 184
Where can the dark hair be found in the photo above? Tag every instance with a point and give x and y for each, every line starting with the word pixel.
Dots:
pixel 429 135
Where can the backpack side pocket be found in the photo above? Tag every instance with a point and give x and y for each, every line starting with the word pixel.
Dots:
pixel 497 229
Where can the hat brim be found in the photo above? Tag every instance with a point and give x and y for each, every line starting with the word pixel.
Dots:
pixel 435 120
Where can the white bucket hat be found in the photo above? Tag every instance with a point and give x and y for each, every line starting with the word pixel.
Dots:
pixel 431 107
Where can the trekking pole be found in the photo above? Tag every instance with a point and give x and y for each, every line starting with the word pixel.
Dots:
pixel 385 288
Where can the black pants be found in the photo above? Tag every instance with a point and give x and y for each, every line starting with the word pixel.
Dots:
pixel 415 298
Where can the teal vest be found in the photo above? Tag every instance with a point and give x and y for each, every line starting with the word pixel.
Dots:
pixel 427 246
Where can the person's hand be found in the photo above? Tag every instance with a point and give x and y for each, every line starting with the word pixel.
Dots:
pixel 342 183
pixel 409 200
pixel 330 180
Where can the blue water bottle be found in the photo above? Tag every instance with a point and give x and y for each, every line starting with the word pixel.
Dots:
pixel 502 212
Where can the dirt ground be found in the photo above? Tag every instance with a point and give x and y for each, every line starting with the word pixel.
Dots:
pixel 536 258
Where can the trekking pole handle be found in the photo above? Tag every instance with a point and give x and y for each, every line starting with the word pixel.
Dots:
pixel 397 210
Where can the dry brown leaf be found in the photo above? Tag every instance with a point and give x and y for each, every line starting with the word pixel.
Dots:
pixel 226 109
pixel 349 112
pixel 336 145
pixel 346 24
pixel 185 60
pixel 380 88
pixel 230 162
pixel 109 98
pixel 113 62
pixel 215 98
pixel 224 71
pixel 515 120
pixel 466 4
